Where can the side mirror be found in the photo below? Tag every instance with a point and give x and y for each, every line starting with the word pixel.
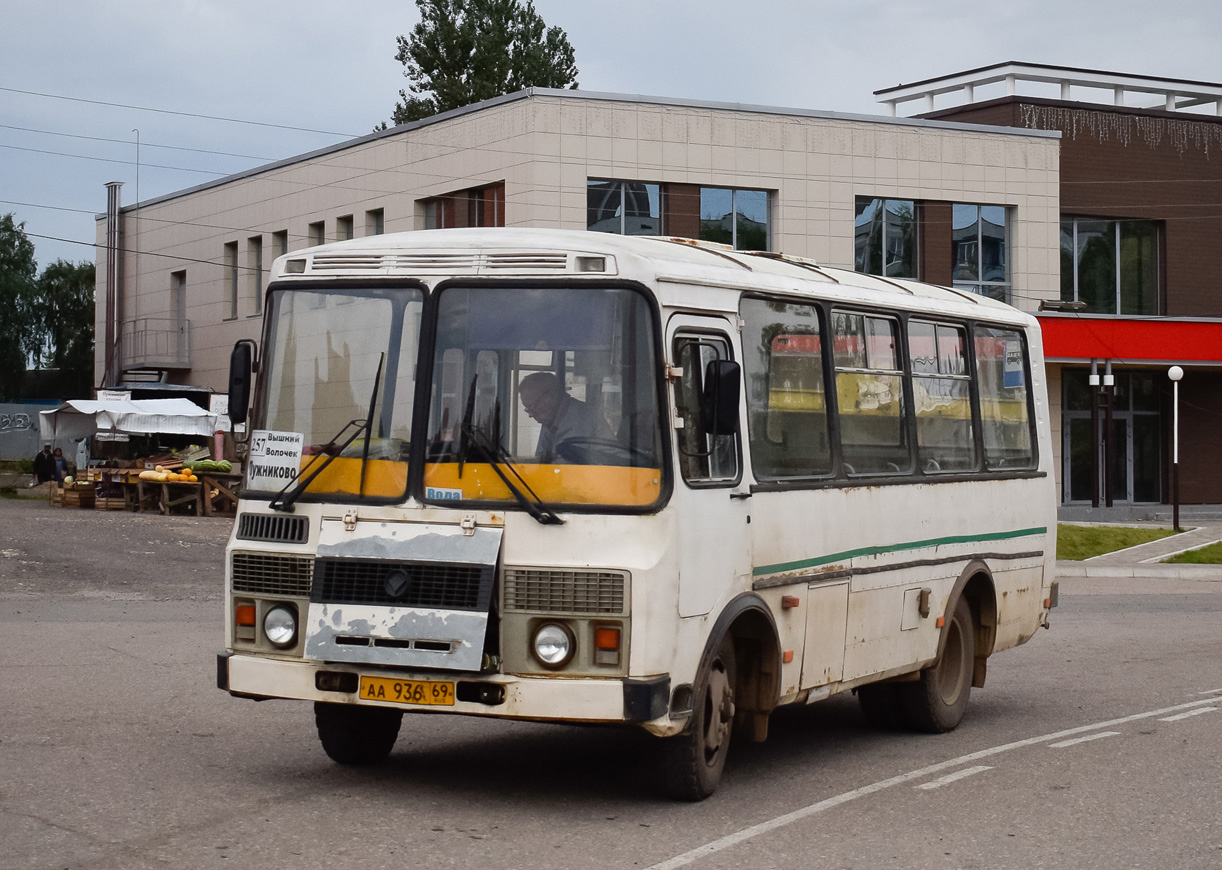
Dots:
pixel 719 399
pixel 241 370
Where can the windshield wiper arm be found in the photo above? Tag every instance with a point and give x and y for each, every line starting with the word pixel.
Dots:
pixel 497 457
pixel 300 484
pixel 373 404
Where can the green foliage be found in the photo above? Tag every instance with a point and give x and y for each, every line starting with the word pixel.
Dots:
pixel 47 321
pixel 60 332
pixel 1084 542
pixel 1210 554
pixel 464 51
pixel 18 272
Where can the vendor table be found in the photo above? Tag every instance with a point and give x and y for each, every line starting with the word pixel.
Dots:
pixel 219 493
pixel 167 494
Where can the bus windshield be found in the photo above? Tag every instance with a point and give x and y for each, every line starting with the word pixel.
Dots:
pixel 339 382
pixel 551 391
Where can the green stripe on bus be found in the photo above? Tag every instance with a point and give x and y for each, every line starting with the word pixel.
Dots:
pixel 894 548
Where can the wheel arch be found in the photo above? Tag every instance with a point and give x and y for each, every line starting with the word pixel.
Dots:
pixel 748 621
pixel 976 585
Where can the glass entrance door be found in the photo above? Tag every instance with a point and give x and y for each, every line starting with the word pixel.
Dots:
pixel 1136 439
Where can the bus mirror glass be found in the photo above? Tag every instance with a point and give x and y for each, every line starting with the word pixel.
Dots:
pixel 719 401
pixel 241 364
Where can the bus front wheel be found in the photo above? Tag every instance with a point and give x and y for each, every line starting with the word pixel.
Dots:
pixel 355 735
pixel 937 701
pixel 694 760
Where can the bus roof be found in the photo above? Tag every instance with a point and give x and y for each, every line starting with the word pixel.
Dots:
pixel 433 255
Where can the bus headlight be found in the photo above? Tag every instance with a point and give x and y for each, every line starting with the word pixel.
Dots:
pixel 553 645
pixel 280 626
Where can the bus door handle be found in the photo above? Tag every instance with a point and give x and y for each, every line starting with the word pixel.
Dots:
pixel 740 495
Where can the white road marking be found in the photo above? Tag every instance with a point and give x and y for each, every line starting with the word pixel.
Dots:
pixel 1210 692
pixel 1196 712
pixel 764 827
pixel 1086 739
pixel 954 777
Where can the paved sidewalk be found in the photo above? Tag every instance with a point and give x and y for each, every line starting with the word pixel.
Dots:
pixel 1202 525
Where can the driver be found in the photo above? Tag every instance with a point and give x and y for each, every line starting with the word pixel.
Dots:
pixel 562 417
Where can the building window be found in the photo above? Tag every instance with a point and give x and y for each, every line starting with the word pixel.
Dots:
pixel 734 217
pixel 280 243
pixel 375 222
pixel 254 275
pixel 178 299
pixel 230 289
pixel 980 259
pixel 473 207
pixel 343 228
pixel 885 237
pixel 1111 265
pixel 318 233
pixel 629 208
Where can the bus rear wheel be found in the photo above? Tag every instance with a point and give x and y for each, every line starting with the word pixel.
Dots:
pixel 937 701
pixel 355 735
pixel 693 761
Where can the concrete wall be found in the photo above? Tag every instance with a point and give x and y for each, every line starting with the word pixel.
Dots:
pixel 544 146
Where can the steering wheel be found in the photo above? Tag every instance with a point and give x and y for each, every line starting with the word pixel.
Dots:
pixel 602 451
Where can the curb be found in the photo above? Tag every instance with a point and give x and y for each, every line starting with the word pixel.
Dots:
pixel 1149 569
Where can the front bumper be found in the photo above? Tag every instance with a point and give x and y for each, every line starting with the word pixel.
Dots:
pixel 552 699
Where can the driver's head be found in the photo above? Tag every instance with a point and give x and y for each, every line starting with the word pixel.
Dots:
pixel 541 395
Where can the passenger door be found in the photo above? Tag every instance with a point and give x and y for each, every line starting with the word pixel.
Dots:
pixel 710 501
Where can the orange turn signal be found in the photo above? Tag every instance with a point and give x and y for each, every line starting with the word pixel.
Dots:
pixel 941 621
pixel 606 638
pixel 244 614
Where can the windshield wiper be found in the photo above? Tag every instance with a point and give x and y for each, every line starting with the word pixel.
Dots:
pixel 497 457
pixel 300 484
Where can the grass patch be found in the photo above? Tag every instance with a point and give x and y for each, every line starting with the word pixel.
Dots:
pixel 1083 542
pixel 1208 555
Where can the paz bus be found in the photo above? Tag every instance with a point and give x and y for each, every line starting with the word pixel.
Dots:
pixel 766 482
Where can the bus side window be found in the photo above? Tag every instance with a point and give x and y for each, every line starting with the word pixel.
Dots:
pixel 703 458
pixel 1005 422
pixel 941 391
pixel 786 402
pixel 870 394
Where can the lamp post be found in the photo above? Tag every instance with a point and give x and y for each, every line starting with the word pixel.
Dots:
pixel 1175 373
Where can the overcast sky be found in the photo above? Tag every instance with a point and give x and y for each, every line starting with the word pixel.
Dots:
pixel 305 64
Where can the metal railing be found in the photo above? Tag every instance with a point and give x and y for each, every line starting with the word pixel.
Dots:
pixel 155 342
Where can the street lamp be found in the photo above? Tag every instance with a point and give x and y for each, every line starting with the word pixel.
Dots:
pixel 1175 373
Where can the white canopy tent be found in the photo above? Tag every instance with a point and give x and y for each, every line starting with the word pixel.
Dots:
pixel 82 418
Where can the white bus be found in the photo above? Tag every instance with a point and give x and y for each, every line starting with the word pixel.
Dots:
pixel 577 477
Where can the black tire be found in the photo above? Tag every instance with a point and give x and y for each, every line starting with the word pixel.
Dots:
pixel 936 703
pixel 882 705
pixel 355 735
pixel 693 761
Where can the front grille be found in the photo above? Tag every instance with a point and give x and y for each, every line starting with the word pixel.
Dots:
pixel 275 528
pixel 564 591
pixel 261 574
pixel 360 581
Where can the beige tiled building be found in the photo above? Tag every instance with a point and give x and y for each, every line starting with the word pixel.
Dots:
pixel 845 190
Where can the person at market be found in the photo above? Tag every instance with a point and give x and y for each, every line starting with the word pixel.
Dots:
pixel 60 465
pixel 44 465
pixel 562 417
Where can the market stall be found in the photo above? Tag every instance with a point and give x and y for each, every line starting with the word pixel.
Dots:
pixel 155 482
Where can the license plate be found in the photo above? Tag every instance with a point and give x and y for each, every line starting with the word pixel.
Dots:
pixel 407 691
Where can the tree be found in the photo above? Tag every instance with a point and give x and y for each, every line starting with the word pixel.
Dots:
pixel 18 270
pixel 60 326
pixel 464 51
